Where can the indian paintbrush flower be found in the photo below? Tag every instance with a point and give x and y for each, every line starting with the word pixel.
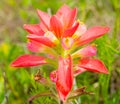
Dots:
pixel 61 38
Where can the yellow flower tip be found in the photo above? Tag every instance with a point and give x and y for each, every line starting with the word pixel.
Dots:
pixel 94 45
pixel 75 36
pixel 80 22
pixel 68 42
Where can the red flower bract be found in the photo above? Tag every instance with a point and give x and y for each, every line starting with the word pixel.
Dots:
pixel 64 77
pixel 28 60
pixel 92 34
pixel 94 65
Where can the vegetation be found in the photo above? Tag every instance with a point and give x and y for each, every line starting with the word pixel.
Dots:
pixel 17 85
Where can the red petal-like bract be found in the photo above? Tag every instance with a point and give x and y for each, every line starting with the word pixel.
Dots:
pixel 79 70
pixel 69 32
pixel 45 18
pixel 64 77
pixel 87 51
pixel 69 18
pixel 56 26
pixel 63 10
pixel 34 29
pixel 92 34
pixel 94 65
pixel 28 61
pixel 41 39
pixel 35 46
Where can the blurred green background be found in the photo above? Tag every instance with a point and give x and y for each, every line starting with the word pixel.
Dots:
pixel 17 85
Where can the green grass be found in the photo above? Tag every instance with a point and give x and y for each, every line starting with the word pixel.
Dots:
pixel 19 84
